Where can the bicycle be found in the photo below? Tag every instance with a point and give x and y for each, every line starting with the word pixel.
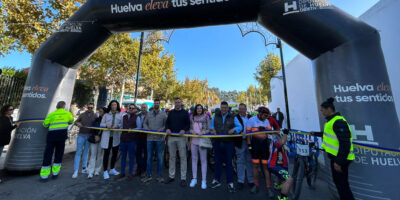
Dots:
pixel 306 163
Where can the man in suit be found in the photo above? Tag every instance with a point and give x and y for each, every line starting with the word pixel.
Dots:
pixel 278 116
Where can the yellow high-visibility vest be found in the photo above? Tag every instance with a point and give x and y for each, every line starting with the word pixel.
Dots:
pixel 330 141
pixel 58 120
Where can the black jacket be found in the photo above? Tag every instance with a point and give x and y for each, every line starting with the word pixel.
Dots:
pixel 342 131
pixel 6 127
pixel 178 120
pixel 95 132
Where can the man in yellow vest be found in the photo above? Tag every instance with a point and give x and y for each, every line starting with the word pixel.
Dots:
pixel 338 143
pixel 57 122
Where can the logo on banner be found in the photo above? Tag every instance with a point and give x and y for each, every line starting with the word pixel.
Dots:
pixel 151 5
pixel 35 92
pixel 298 6
pixel 363 136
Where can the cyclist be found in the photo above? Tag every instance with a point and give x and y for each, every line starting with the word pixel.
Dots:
pixel 258 146
pixel 278 163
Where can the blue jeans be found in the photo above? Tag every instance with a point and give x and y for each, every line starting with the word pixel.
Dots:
pixel 244 164
pixel 158 146
pixel 127 147
pixel 223 152
pixel 82 143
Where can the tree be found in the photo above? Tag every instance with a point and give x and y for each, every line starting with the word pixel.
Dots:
pixel 82 94
pixel 266 70
pixel 114 64
pixel 26 24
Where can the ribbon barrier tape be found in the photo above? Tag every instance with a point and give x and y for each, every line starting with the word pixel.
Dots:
pixel 209 135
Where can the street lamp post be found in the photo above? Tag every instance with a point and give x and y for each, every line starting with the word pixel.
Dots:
pixel 247 28
pixel 279 45
pixel 138 68
pixel 166 37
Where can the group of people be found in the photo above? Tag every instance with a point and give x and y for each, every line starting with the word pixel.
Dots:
pixel 259 152
pixel 253 152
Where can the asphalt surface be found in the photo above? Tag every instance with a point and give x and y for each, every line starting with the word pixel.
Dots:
pixel 29 187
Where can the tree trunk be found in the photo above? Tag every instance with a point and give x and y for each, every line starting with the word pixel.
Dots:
pixel 96 96
pixel 122 92
pixel 112 93
pixel 152 93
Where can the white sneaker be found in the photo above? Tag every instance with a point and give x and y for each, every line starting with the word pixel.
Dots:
pixel 75 175
pixel 114 172
pixel 193 182
pixel 84 171
pixel 105 174
pixel 90 176
pixel 96 173
pixel 203 185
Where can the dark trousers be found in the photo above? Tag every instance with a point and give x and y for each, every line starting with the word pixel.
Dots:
pixel 141 155
pixel 127 148
pixel 223 152
pixel 107 155
pixel 341 180
pixel 53 143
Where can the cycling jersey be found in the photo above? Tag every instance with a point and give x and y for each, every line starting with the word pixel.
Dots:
pixel 259 142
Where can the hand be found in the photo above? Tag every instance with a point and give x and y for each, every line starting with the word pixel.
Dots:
pixel 79 124
pixel 312 133
pixel 337 167
pixel 96 138
pixel 213 131
pixel 168 131
pixel 285 131
pixel 161 129
pixel 182 132
pixel 108 126
pixel 243 133
pixel 17 124
pixel 232 131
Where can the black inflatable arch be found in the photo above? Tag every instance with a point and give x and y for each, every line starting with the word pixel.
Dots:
pixel 346 53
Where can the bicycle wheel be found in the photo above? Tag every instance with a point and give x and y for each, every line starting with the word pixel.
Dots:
pixel 298 176
pixel 312 176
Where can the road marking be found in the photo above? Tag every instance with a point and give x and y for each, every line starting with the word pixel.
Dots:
pixel 366 189
pixel 375 197
pixel 360 183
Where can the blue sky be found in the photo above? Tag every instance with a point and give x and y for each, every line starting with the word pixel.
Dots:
pixel 218 53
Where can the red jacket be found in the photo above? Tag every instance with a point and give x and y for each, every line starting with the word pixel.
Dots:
pixel 274 124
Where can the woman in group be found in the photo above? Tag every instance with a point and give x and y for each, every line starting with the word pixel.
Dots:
pixel 6 126
pixel 96 152
pixel 110 140
pixel 199 124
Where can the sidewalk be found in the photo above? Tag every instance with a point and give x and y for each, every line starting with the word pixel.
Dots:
pixel 29 187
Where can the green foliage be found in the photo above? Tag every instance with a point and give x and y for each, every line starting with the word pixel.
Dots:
pixel 83 94
pixel 11 71
pixel 266 70
pixel 26 24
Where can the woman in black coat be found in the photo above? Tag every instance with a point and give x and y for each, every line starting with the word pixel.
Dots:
pixel 6 126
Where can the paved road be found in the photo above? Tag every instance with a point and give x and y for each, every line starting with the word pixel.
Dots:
pixel 29 187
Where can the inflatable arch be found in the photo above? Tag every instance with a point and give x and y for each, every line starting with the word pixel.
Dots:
pixel 347 57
